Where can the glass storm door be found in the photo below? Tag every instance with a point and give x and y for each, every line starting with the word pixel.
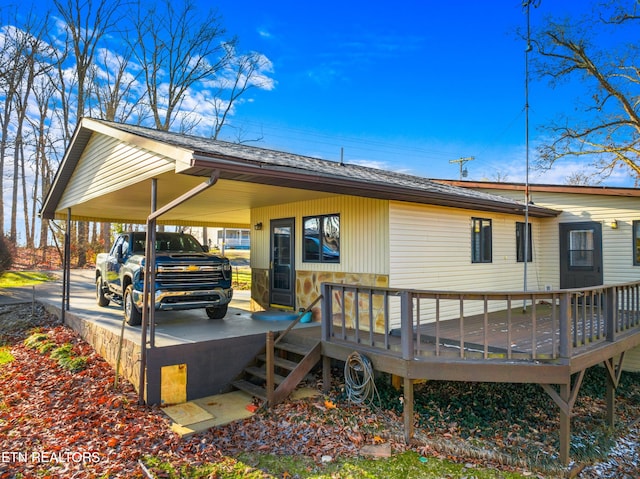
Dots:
pixel 282 265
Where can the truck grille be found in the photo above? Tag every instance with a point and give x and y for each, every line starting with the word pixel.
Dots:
pixel 190 275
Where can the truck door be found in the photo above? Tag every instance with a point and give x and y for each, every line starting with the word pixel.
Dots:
pixel 113 265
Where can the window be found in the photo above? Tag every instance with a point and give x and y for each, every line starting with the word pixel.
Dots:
pixel 481 240
pixel 520 244
pixel 581 246
pixel 636 243
pixel 321 239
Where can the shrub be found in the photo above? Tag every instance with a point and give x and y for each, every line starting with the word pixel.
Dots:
pixel 6 255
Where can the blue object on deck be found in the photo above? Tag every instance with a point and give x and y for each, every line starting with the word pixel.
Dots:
pixel 274 315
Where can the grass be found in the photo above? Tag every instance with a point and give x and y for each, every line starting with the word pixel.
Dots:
pixel 5 356
pixel 254 465
pixel 62 354
pixel 241 278
pixel 15 279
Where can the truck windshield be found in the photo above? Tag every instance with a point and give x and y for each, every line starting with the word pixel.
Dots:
pixel 168 242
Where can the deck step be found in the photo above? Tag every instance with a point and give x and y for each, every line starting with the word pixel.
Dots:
pixel 300 349
pixel 250 388
pixel 280 362
pixel 262 373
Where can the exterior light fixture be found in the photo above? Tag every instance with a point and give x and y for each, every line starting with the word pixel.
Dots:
pixel 258 226
pixel 614 225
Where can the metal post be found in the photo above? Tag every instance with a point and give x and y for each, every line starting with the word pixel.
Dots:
pixel 148 308
pixel 150 277
pixel 66 266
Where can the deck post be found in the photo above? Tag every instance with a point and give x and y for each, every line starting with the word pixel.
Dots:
pixel 327 313
pixel 612 308
pixel 565 325
pixel 326 374
pixel 408 409
pixel 611 401
pixel 565 425
pixel 406 326
pixel 270 366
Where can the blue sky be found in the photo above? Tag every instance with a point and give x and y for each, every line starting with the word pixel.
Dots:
pixel 404 85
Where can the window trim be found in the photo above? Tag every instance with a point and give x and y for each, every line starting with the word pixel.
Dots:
pixel 480 237
pixel 520 244
pixel 636 242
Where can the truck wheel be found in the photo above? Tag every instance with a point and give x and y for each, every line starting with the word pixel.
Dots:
pixel 131 313
pixel 217 312
pixel 101 299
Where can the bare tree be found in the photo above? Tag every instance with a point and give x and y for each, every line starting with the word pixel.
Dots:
pixel 115 82
pixel 21 64
pixel 12 68
pixel 177 49
pixel 44 149
pixel 86 24
pixel 607 131
pixel 243 72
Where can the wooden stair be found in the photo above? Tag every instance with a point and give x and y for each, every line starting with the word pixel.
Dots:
pixel 293 358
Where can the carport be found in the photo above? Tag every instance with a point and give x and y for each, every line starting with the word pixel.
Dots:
pixel 127 174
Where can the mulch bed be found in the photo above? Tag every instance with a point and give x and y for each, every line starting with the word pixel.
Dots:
pixel 74 424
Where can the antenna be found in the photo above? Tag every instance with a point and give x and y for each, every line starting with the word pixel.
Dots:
pixel 462 162
pixel 526 4
pixel 342 156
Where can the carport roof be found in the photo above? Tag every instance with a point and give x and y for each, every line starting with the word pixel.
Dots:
pixel 277 177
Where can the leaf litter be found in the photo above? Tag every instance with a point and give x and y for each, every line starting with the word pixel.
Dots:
pixel 59 423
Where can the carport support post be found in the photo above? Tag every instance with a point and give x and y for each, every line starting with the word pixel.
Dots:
pixel 66 270
pixel 149 279
pixel 148 307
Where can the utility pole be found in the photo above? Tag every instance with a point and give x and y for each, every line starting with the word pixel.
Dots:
pixel 462 162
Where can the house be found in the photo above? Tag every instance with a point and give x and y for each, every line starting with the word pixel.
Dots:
pixel 602 223
pixel 388 254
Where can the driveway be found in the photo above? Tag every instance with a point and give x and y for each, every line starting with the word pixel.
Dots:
pixel 172 327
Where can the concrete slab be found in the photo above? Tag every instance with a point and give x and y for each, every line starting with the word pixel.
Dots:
pixel 201 414
pixel 172 327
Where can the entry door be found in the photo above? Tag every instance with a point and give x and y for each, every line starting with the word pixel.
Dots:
pixel 282 263
pixel 580 254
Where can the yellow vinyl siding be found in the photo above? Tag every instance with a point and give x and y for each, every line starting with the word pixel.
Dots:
pixel 94 175
pixel 617 247
pixel 430 249
pixel 363 233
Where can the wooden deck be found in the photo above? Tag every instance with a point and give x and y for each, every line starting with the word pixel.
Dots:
pixel 547 338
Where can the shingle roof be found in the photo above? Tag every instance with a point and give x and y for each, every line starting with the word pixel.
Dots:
pixel 336 176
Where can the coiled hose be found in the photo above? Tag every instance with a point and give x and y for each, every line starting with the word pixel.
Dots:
pixel 359 381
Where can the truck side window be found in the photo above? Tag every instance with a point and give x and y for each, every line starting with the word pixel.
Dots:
pixel 118 242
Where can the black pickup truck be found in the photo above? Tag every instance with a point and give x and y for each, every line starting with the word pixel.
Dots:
pixel 187 276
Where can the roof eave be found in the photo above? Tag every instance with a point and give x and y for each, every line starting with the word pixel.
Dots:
pixel 243 170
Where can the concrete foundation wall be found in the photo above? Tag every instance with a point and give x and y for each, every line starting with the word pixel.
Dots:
pixel 106 344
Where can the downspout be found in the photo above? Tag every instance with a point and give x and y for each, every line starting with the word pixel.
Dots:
pixel 149 293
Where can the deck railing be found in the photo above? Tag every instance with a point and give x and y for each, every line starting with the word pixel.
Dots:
pixel 542 325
